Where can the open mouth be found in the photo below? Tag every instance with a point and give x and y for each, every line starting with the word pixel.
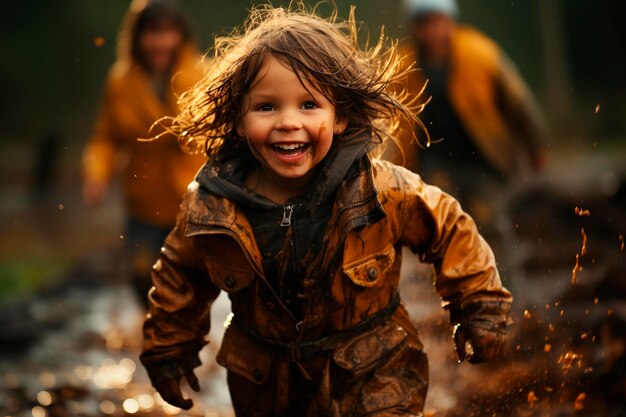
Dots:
pixel 290 148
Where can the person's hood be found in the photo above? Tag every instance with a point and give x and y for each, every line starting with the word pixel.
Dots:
pixel 124 45
pixel 224 175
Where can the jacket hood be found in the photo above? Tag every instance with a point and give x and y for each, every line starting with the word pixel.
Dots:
pixel 129 30
pixel 224 175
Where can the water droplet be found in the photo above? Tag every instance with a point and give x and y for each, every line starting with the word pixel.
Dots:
pixel 107 407
pixel 145 401
pixel 44 398
pixel 130 406
pixel 39 412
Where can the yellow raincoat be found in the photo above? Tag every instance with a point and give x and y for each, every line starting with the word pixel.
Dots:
pixel 490 99
pixel 155 174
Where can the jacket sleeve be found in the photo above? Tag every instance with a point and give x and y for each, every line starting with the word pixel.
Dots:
pixel 434 226
pixel 99 154
pixel 519 107
pixel 180 303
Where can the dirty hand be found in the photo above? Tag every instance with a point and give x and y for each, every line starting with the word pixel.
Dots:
pixel 170 391
pixel 484 345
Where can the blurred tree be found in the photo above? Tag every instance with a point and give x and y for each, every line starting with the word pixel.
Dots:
pixel 555 62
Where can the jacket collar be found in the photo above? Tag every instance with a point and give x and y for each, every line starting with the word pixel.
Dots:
pixel 356 205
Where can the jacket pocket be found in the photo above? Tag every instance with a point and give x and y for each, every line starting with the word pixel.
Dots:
pixel 365 352
pixel 370 270
pixel 245 356
pixel 228 278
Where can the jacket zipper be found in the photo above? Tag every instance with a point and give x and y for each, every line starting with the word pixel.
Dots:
pixel 287 213
pixel 287 222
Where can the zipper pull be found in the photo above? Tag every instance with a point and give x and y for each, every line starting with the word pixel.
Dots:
pixel 287 213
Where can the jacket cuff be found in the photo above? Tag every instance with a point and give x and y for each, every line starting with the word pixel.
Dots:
pixel 172 364
pixel 487 315
pixel 175 369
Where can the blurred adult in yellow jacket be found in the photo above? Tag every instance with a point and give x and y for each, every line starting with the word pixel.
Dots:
pixel 156 62
pixel 482 119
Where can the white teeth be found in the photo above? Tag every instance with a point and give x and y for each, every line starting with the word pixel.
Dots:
pixel 290 146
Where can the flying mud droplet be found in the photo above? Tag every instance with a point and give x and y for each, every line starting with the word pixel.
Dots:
pixel 569 360
pixel 583 250
pixel 579 403
pixel 581 212
pixel 575 269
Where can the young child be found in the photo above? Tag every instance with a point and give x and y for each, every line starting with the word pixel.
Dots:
pixel 303 228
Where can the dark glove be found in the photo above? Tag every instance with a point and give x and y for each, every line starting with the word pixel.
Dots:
pixel 170 390
pixel 480 330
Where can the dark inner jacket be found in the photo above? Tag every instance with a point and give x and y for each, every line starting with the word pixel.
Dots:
pixel 455 150
pixel 290 235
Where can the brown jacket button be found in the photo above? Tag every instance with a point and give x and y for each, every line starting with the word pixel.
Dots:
pixel 372 273
pixel 270 306
pixel 257 375
pixel 229 281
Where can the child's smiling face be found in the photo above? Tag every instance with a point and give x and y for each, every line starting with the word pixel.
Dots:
pixel 289 127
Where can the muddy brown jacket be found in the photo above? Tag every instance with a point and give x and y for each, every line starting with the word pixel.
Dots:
pixel 380 371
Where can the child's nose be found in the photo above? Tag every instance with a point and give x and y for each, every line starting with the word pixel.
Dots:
pixel 288 120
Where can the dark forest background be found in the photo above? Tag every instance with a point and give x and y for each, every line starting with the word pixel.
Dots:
pixel 572 52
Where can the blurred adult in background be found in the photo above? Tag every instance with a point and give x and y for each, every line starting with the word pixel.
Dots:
pixel 483 122
pixel 156 61
pixel 482 118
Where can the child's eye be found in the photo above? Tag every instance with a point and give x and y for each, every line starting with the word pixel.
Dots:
pixel 265 107
pixel 309 105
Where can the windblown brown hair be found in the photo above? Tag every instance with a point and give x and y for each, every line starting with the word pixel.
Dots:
pixel 361 83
